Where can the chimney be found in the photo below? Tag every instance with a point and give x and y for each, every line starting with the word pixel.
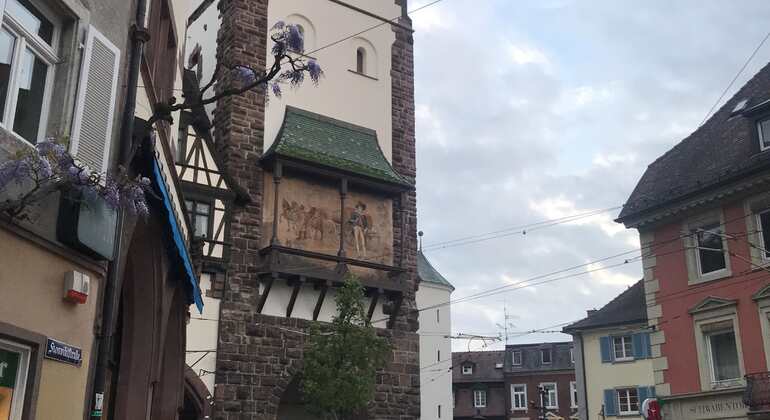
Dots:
pixel 590 312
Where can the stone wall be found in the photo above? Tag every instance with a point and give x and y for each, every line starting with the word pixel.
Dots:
pixel 258 355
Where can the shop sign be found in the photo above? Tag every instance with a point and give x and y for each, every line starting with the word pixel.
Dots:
pixel 9 366
pixel 61 352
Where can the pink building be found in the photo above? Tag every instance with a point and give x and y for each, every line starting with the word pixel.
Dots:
pixel 701 210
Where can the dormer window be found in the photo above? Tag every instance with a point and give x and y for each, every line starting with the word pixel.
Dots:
pixel 468 369
pixel 545 356
pixel 763 132
pixel 361 60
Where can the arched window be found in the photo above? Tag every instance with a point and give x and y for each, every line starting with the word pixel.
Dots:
pixel 301 30
pixel 361 60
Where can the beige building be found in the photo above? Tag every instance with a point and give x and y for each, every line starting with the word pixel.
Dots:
pixel 613 365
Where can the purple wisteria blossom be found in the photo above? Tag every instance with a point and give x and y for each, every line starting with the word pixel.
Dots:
pixel 48 167
pixel 314 70
pixel 245 74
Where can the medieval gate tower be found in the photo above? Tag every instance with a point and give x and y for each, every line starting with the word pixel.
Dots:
pixel 291 195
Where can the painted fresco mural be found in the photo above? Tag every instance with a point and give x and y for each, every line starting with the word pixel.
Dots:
pixel 309 219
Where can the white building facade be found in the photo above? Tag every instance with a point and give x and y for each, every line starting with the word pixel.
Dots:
pixel 435 343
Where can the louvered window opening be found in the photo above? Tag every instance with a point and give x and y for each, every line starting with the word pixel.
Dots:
pixel 27 55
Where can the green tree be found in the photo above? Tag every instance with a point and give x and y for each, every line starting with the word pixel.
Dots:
pixel 342 358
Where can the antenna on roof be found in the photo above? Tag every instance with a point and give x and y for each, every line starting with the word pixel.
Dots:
pixel 420 235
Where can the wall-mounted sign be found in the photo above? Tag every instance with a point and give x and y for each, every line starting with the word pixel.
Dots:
pixel 61 352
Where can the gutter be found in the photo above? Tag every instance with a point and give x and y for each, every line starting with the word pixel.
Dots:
pixel 105 339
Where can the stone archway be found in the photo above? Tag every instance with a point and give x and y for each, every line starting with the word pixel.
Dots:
pixel 291 406
pixel 197 398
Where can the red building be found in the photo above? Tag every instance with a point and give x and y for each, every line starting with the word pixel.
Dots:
pixel 531 366
pixel 701 210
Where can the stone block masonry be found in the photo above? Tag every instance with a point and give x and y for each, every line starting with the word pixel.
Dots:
pixel 258 355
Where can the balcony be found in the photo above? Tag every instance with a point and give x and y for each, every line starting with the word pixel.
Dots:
pixel 757 395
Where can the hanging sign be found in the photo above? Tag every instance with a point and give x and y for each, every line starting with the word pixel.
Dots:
pixel 61 352
pixel 9 365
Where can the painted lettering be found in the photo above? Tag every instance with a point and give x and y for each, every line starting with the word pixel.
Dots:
pixel 3 367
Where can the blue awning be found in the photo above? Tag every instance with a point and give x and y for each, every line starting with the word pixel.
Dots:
pixel 178 240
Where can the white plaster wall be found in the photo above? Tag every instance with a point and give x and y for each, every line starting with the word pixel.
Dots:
pixel 601 376
pixel 435 377
pixel 341 94
pixel 280 294
pixel 202 335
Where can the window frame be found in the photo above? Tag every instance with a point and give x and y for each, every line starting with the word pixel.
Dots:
pixel 192 214
pixel 626 339
pixel 18 401
pixel 760 135
pixel 548 393
pixel 522 393
pixel 573 397
pixel 360 60
pixel 550 356
pixel 48 54
pixel 692 251
pixel 630 410
pixel 467 369
pixel 710 320
pixel 513 357
pixel 477 393
pixel 711 361
pixel 698 250
pixel 763 251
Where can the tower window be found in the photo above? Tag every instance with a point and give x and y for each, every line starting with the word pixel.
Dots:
pixel 361 60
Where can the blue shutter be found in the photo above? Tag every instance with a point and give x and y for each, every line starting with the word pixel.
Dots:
pixel 606 347
pixel 643 393
pixel 641 343
pixel 610 406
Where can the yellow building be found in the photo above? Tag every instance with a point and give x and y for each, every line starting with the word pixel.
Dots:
pixel 613 364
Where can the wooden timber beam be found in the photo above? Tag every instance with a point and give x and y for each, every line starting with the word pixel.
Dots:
pixel 297 285
pixel 321 297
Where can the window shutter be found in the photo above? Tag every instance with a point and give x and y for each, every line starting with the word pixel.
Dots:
pixel 641 342
pixel 606 348
pixel 95 107
pixel 643 393
pixel 610 406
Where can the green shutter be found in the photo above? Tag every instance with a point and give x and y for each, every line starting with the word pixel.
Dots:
pixel 9 366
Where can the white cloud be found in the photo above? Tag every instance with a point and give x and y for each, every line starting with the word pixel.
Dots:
pixel 597 272
pixel 613 159
pixel 527 54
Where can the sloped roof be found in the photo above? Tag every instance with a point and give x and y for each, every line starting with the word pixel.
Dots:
pixel 531 360
pixel 335 144
pixel 428 274
pixel 722 150
pixel 628 307
pixel 484 363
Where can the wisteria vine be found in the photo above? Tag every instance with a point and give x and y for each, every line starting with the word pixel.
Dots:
pixel 49 167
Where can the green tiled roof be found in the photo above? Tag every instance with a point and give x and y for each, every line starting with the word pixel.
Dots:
pixel 318 139
pixel 428 274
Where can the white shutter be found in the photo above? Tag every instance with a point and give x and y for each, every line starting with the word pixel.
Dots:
pixel 95 107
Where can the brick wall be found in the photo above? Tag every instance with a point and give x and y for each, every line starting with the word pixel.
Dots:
pixel 259 355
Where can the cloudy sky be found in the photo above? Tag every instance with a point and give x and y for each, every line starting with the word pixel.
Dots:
pixel 528 111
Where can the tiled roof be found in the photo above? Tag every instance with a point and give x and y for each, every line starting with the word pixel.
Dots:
pixel 484 366
pixel 531 359
pixel 334 144
pixel 628 307
pixel 722 150
pixel 428 274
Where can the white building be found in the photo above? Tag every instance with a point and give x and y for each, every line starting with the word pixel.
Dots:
pixel 435 344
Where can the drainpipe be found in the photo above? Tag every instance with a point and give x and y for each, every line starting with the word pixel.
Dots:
pixel 111 303
pixel 585 381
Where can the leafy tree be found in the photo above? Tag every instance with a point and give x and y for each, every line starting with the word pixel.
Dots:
pixel 342 359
